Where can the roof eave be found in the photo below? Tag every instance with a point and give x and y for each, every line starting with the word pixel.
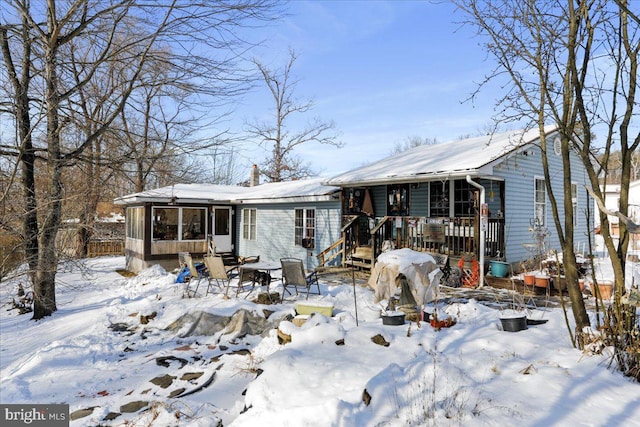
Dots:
pixel 422 177
pixel 295 199
pixel 168 200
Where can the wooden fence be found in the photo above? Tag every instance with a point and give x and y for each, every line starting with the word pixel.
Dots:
pixel 105 247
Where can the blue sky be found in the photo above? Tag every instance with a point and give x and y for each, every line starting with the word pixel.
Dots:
pixel 382 71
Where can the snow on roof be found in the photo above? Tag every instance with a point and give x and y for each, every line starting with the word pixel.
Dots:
pixel 457 157
pixel 311 189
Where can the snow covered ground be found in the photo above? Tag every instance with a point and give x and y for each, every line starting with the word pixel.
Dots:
pixel 96 355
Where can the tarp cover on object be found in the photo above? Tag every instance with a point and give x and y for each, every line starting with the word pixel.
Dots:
pixel 420 269
pixel 242 322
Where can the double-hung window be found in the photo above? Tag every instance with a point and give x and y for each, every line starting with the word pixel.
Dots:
pixel 249 224
pixel 574 203
pixel 305 227
pixel 540 202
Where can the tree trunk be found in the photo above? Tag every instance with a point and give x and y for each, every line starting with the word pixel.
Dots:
pixel 44 300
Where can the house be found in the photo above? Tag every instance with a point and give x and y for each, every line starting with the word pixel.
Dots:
pixel 430 198
pixel 481 197
pixel 273 220
pixel 611 194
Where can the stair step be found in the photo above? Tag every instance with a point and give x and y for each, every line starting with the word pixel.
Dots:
pixel 361 264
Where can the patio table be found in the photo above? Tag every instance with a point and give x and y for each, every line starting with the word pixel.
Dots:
pixel 265 268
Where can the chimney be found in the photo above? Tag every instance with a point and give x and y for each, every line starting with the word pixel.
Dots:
pixel 255 176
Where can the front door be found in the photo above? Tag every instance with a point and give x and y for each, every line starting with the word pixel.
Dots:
pixel 222 229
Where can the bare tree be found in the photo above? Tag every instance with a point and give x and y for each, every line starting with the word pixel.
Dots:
pixel 221 166
pixel 53 51
pixel 573 64
pixel 284 164
pixel 412 142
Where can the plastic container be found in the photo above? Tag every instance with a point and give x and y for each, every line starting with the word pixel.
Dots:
pixel 514 324
pixel 499 268
pixel 393 318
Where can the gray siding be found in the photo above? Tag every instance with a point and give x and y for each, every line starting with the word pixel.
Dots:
pixel 275 231
pixel 519 172
pixel 379 196
pixel 419 200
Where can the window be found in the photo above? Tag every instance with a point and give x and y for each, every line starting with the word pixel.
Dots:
pixel 165 223
pixel 173 223
pixel 193 223
pixel 353 198
pixel 557 146
pixel 540 202
pixel 574 203
pixel 398 200
pixel 305 227
pixel 249 224
pixel 439 199
pixel 135 223
pixel 464 199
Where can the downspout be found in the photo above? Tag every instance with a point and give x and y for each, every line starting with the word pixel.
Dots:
pixel 482 231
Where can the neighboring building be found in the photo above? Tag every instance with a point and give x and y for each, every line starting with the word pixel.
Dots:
pixel 611 194
pixel 107 234
pixel 274 220
pixel 422 198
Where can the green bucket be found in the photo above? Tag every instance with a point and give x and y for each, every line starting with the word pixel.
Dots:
pixel 499 268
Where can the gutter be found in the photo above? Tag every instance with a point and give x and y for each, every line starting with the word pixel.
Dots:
pixel 482 231
pixel 403 179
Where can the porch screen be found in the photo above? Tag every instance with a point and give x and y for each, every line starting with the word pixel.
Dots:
pixel 193 223
pixel 175 223
pixel 439 199
pixel 464 199
pixel 165 223
pixel 135 223
pixel 398 200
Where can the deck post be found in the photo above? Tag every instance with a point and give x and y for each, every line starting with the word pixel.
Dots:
pixel 481 243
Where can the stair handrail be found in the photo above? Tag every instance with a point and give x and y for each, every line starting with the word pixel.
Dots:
pixel 321 255
pixel 384 219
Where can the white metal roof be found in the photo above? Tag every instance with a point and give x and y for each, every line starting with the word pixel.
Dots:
pixel 454 158
pixel 277 192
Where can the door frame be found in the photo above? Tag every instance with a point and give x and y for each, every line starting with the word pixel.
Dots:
pixel 223 242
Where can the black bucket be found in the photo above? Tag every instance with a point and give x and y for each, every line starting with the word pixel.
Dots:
pixel 514 324
pixel 395 319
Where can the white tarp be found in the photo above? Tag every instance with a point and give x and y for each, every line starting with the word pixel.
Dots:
pixel 420 269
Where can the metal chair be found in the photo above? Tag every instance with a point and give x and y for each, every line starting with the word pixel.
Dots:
pixel 194 274
pixel 246 278
pixel 294 276
pixel 217 274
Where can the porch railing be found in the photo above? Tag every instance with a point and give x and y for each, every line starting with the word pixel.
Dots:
pixel 449 236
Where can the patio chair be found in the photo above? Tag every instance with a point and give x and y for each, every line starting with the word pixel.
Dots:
pixel 294 276
pixel 217 274
pixel 245 278
pixel 195 274
pixel 182 262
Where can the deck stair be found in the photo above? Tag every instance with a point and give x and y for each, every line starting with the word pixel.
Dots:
pixel 361 257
